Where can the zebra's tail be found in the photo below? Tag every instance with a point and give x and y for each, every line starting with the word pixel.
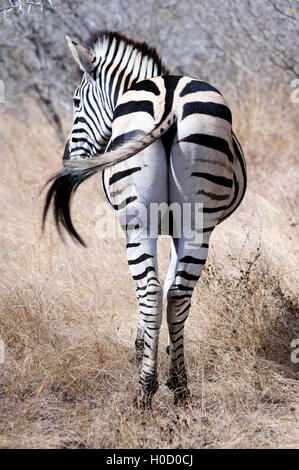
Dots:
pixel 65 183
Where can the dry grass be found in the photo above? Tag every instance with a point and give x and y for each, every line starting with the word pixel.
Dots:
pixel 68 316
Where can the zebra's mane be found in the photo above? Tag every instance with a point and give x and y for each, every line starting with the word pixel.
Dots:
pixel 101 40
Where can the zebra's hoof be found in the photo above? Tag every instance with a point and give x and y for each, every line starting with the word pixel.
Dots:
pixel 168 350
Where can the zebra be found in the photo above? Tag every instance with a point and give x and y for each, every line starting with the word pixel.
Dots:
pixel 157 139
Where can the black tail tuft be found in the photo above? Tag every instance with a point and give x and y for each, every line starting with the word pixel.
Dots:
pixel 63 187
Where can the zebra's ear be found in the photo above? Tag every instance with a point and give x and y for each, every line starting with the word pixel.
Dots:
pixel 81 55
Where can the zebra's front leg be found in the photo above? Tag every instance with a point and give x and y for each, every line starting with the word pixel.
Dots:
pixel 143 265
pixel 139 342
pixel 188 269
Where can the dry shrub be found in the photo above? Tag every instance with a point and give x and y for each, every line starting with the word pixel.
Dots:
pixel 68 316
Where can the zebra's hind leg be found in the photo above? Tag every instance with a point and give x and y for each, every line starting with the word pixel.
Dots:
pixel 171 273
pixel 190 261
pixel 151 311
pixel 143 266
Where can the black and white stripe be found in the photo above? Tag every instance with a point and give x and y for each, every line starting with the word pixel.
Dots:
pixel 177 132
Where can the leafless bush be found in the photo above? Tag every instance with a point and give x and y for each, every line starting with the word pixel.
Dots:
pixel 14 7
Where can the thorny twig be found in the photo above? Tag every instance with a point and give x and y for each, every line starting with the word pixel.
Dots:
pixel 19 5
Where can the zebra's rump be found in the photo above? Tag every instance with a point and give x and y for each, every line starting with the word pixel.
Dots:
pixel 239 180
pixel 194 126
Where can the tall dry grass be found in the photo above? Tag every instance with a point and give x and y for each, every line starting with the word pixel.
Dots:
pixel 68 316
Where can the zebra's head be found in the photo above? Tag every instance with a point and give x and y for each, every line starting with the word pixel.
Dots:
pixel 88 135
pixel 110 64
